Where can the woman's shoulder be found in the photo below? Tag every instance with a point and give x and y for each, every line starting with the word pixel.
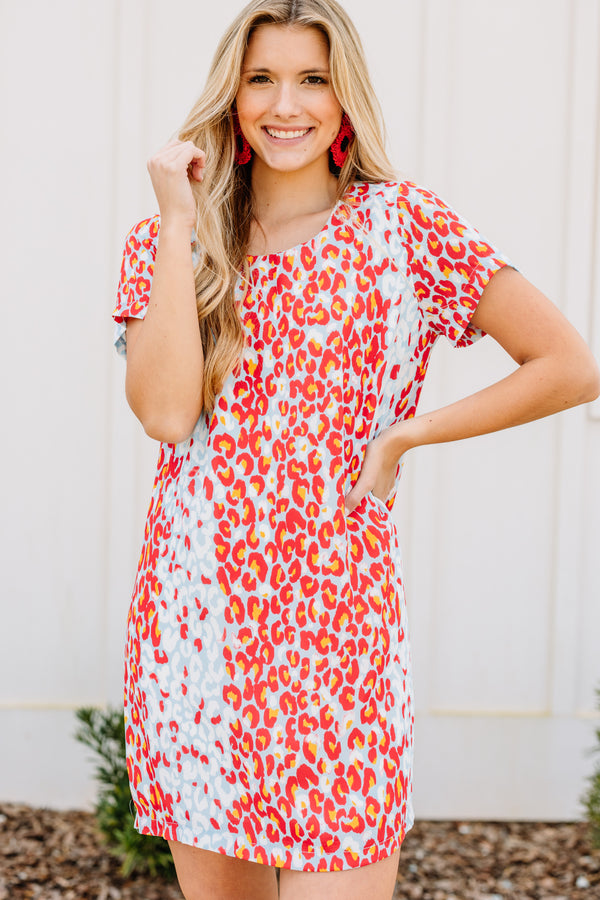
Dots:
pixel 391 198
pixel 367 192
pixel 389 205
pixel 395 193
pixel 404 204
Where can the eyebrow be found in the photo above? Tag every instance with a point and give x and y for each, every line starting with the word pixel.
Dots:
pixel 264 71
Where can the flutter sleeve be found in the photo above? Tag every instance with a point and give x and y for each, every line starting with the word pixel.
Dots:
pixel 449 263
pixel 137 269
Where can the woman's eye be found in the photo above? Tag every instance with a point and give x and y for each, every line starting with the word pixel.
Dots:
pixel 259 79
pixel 315 79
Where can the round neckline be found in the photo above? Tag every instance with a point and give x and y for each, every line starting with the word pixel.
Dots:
pixel 252 258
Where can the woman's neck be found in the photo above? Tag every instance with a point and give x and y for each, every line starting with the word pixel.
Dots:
pixel 281 197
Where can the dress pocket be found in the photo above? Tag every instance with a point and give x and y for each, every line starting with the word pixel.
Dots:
pixel 377 502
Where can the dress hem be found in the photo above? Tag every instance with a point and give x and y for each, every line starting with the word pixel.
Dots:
pixel 279 856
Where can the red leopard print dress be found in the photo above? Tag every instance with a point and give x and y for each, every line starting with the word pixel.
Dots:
pixel 268 696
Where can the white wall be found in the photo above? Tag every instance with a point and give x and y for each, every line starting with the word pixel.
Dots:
pixel 494 105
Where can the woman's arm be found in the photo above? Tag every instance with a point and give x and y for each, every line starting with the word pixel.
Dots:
pixel 165 362
pixel 556 371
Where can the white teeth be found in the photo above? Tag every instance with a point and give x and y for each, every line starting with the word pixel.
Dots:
pixel 287 135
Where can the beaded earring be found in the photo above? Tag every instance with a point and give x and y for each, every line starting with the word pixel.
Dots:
pixel 341 145
pixel 243 150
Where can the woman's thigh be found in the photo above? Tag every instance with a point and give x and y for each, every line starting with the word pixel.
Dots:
pixel 374 882
pixel 204 875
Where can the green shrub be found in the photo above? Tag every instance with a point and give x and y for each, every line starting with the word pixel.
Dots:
pixel 591 800
pixel 103 731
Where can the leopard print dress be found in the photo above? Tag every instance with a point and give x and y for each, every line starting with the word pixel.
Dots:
pixel 268 693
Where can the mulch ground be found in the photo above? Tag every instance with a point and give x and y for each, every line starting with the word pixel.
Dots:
pixel 46 854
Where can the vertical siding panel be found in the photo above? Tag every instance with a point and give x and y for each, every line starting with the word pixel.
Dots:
pixel 583 279
pixel 579 250
pixel 595 410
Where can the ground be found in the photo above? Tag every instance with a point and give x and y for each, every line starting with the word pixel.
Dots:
pixel 49 855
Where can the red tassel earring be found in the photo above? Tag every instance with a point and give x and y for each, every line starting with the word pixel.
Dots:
pixel 243 150
pixel 341 145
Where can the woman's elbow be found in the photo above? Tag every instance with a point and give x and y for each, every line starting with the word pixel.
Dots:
pixel 167 432
pixel 584 379
pixel 168 428
pixel 163 421
pixel 592 382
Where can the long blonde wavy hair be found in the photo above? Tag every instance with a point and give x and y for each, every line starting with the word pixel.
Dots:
pixel 224 198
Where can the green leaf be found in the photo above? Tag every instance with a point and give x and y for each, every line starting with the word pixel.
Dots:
pixel 591 800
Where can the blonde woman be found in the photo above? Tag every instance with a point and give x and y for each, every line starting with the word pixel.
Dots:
pixel 278 319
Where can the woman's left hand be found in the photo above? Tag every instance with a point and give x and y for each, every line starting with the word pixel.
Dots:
pixel 378 471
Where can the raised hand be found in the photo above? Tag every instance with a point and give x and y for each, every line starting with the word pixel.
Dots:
pixel 172 170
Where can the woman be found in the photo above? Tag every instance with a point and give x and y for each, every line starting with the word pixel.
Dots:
pixel 278 355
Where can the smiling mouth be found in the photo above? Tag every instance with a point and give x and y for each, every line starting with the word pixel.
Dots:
pixel 286 135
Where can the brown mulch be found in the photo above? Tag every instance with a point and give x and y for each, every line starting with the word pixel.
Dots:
pixel 46 854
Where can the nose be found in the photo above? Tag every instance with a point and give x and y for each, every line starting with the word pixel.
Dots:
pixel 286 102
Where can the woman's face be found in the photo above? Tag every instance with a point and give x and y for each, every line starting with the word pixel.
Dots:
pixel 286 106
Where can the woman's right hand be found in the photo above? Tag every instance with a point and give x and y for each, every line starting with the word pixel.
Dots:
pixel 172 169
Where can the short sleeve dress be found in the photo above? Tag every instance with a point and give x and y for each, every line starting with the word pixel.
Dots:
pixel 268 693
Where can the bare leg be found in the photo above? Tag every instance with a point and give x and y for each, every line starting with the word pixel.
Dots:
pixel 204 875
pixel 374 882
